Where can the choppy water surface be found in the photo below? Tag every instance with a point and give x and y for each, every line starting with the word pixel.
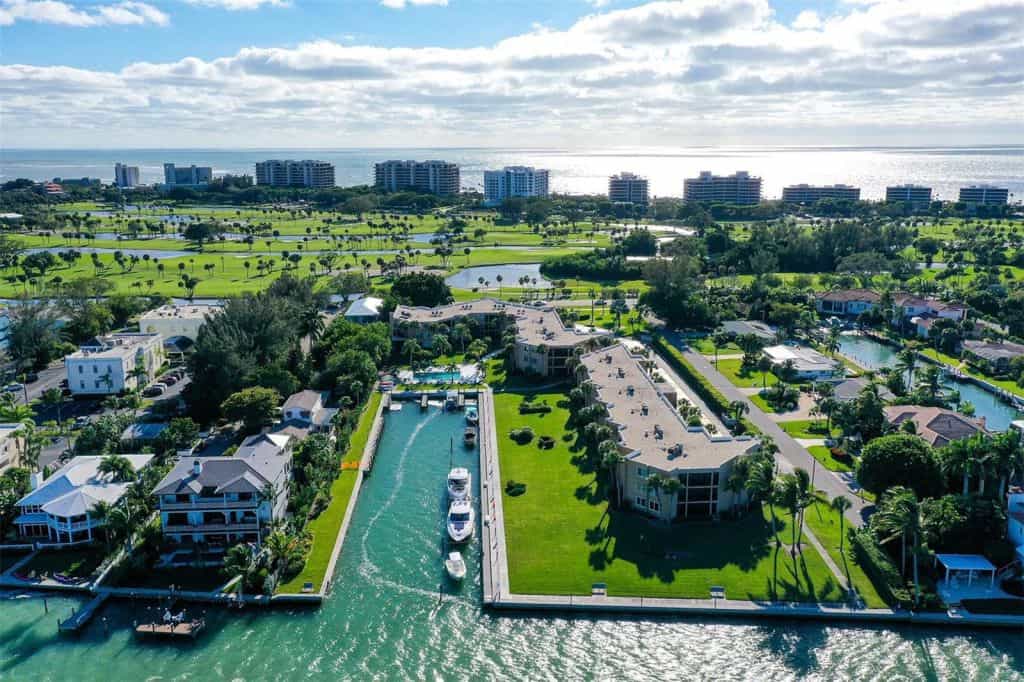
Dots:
pixel 384 620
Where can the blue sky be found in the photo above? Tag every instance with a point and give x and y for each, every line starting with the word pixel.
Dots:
pixel 367 72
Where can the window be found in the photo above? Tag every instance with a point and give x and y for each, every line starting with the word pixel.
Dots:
pixel 641 502
pixel 81 369
pixel 654 505
pixel 95 369
pixel 81 384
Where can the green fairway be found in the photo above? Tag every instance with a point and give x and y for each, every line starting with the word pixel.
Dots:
pixel 562 537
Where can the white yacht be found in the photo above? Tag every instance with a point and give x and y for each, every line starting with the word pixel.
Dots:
pixel 459 482
pixel 461 520
pixel 472 416
pixel 455 565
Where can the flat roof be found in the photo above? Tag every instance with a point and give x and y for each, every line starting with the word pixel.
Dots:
pixel 655 436
pixel 190 311
pixel 804 358
pixel 965 562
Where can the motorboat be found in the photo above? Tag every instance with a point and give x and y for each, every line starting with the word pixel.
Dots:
pixel 455 565
pixel 469 437
pixel 459 482
pixel 461 520
pixel 472 416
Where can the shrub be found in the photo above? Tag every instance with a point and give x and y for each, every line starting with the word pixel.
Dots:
pixel 526 407
pixel 514 488
pixel 522 436
pixel 879 568
pixel 545 442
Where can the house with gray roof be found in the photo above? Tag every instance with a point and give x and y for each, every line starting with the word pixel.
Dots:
pixel 992 356
pixel 60 510
pixel 763 331
pixel 217 502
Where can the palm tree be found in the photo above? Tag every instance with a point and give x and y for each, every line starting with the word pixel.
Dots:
pixel 120 523
pixel 284 550
pixel 240 561
pixel 99 514
pixel 899 516
pixel 118 467
pixel 410 348
pixel 738 408
pixel 832 340
pixel 654 482
pixel 762 485
pixel 840 503
pixel 611 458
pixel 311 323
pixel 958 460
pixel 764 365
pixel 906 362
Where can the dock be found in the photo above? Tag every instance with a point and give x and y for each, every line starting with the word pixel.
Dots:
pixel 423 401
pixel 189 629
pixel 81 617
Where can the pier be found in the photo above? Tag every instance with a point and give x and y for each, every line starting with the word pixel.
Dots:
pixel 80 618
pixel 184 630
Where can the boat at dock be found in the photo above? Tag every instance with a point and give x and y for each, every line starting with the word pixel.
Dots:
pixel 455 565
pixel 469 437
pixel 472 416
pixel 459 482
pixel 460 521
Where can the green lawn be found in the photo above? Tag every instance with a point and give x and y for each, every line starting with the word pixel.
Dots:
pixel 763 404
pixel 824 523
pixel 825 458
pixel 807 428
pixel 562 538
pixel 734 371
pixel 1005 384
pixel 706 346
pixel 76 563
pixel 325 527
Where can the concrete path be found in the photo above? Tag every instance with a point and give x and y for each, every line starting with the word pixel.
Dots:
pixel 791 454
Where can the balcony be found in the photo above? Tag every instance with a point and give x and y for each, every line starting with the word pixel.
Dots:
pixel 209 503
pixel 239 527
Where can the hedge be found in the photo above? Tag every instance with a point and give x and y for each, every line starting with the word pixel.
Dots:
pixel 878 567
pixel 698 382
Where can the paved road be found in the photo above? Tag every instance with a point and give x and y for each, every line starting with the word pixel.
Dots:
pixel 792 454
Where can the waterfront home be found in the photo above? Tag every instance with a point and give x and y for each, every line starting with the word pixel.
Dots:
pixel 115 363
pixel 59 510
pixel 847 302
pixel 171 321
pixel 543 342
pixel 304 413
pixel 763 331
pixel 808 364
pixel 364 310
pixel 654 440
pixel 908 306
pixel 12 445
pixel 217 502
pixel 936 425
pixel 848 389
pixel 992 356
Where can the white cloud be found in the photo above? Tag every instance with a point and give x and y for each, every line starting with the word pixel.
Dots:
pixel 661 73
pixel 401 4
pixel 65 14
pixel 240 4
pixel 807 20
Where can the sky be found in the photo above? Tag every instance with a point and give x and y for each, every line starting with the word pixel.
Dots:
pixel 509 73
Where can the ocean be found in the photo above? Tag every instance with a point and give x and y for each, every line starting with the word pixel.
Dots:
pixel 585 171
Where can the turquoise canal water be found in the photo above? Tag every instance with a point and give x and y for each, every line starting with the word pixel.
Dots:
pixel 383 620
pixel 871 354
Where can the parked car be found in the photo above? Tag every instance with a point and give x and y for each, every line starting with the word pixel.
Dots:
pixel 154 390
pixel 14 388
pixel 79 422
pixel 31 377
pixel 169 379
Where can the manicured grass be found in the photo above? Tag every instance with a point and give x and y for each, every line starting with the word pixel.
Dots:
pixel 808 428
pixel 76 563
pixel 763 404
pixel 324 529
pixel 825 458
pixel 734 371
pixel 706 346
pixel 824 523
pixel 562 537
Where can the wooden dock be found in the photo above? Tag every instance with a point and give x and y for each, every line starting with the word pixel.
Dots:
pixel 80 618
pixel 423 401
pixel 189 629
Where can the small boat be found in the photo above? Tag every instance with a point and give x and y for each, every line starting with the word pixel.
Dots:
pixel 469 437
pixel 472 416
pixel 460 520
pixel 455 565
pixel 459 481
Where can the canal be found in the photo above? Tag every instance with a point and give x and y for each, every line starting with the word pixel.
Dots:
pixel 872 354
pixel 383 620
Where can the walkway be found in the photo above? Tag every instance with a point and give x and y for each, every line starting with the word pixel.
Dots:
pixel 792 455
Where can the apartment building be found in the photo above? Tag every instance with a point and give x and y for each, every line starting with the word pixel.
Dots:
pixel 812 194
pixel 115 363
pixel 738 188
pixel 436 177
pixel 173 320
pixel 288 173
pixel 12 445
pixel 654 440
pixel 543 343
pixel 126 177
pixel 918 196
pixel 514 181
pixel 984 194
pixel 221 501
pixel 627 188
pixel 190 176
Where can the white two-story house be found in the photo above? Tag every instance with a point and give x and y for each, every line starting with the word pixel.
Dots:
pixel 115 363
pixel 218 502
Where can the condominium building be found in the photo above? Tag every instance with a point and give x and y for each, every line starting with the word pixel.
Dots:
pixel 812 194
pixel 627 188
pixel 984 194
pixel 221 501
pixel 126 176
pixel 918 196
pixel 543 343
pixel 435 177
pixel 307 173
pixel 60 510
pixel 115 363
pixel 190 176
pixel 738 188
pixel 654 441
pixel 514 181
pixel 173 320
pixel 12 445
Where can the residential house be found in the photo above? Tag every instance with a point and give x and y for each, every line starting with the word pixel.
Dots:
pixel 114 364
pixel 60 510
pixel 306 412
pixel 12 445
pixel 654 439
pixel 808 364
pixel 848 390
pixel 364 310
pixel 992 356
pixel 847 302
pixel 763 331
pixel 936 425
pixel 217 502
